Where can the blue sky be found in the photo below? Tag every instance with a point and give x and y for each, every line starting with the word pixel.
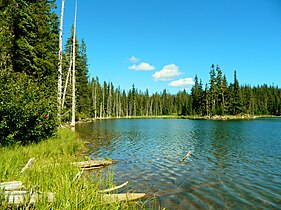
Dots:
pixel 159 44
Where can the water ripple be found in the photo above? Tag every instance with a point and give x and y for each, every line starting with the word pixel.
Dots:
pixel 234 164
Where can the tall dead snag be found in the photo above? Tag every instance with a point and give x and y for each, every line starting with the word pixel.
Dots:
pixel 109 101
pixel 60 62
pixel 73 69
pixel 103 99
pixel 117 104
pixel 94 97
pixel 66 83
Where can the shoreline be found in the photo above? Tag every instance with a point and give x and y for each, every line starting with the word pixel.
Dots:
pixel 53 172
pixel 190 117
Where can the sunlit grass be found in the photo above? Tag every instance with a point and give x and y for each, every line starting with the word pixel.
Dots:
pixel 52 171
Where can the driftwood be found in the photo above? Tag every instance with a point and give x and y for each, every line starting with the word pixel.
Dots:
pixel 94 164
pixel 8 186
pixel 22 197
pixel 111 198
pixel 29 163
pixel 114 188
pixel 13 193
pixel 187 155
pixel 78 175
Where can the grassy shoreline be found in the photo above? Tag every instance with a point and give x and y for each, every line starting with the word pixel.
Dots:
pixel 52 171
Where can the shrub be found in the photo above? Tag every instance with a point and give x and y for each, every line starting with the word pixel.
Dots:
pixel 28 110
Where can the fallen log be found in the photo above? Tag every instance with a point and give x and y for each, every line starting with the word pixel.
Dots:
pixel 113 188
pixel 92 168
pixel 187 155
pixel 23 197
pixel 94 164
pixel 8 186
pixel 78 175
pixel 29 163
pixel 111 198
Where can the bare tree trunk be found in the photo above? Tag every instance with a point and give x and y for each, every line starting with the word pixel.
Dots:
pixel 73 72
pixel 60 62
pixel 120 106
pixel 151 103
pixel 94 98
pixel 108 106
pixel 117 105
pixel 161 108
pixel 103 102
pixel 223 103
pixel 127 109
pixel 101 110
pixel 66 83
pixel 147 104
pixel 135 110
pixel 96 102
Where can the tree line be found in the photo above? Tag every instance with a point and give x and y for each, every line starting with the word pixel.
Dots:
pixel 218 97
pixel 29 44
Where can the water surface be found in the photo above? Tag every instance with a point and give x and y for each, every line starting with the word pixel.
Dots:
pixel 234 164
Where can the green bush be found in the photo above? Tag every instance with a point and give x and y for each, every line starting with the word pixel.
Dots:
pixel 28 110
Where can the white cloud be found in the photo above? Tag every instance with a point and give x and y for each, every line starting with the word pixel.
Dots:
pixel 142 67
pixel 167 73
pixel 182 82
pixel 134 59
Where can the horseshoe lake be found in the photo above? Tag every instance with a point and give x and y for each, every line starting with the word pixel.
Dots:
pixel 235 164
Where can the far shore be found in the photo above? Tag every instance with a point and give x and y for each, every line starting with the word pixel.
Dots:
pixel 190 117
pixel 231 117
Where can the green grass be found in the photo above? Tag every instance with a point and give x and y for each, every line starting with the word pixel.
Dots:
pixel 52 172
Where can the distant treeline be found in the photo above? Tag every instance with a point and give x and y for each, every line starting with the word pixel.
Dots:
pixel 215 98
pixel 29 39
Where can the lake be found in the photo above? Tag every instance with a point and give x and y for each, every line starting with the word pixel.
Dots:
pixel 234 164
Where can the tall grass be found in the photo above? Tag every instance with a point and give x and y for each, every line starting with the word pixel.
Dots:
pixel 52 171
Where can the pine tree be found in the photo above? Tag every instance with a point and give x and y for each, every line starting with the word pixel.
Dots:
pixel 166 103
pixel 28 62
pixel 207 101
pixel 7 15
pixel 213 91
pixel 197 94
pixel 220 92
pixel 248 100
pixel 83 99
pixel 36 39
pixel 237 97
pixel 224 92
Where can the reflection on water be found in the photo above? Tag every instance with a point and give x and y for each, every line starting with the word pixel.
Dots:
pixel 234 164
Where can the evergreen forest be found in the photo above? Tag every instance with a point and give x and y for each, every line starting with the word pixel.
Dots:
pixel 29 43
